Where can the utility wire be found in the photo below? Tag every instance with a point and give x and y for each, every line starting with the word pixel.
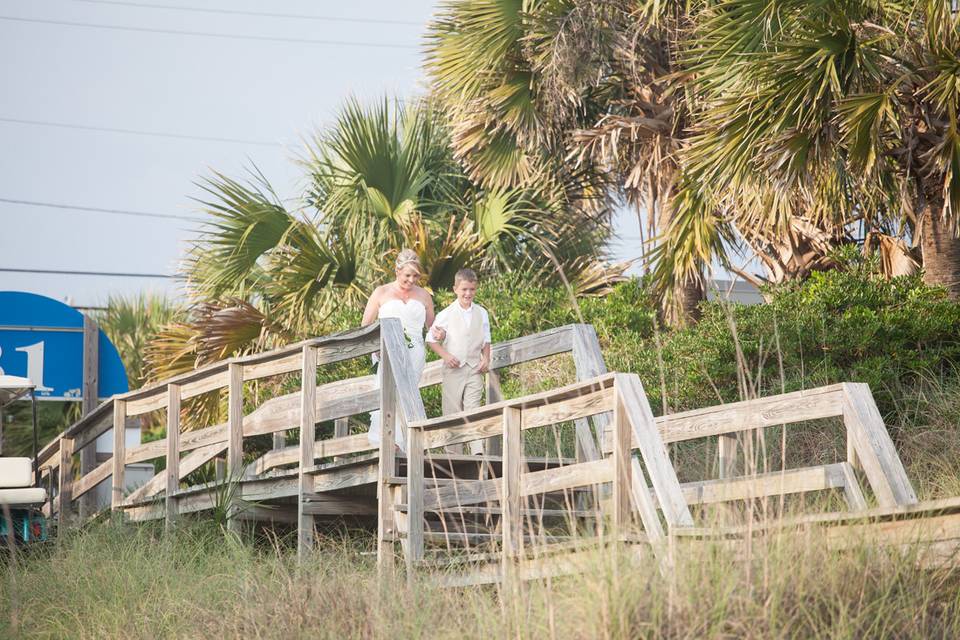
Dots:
pixel 262 14
pixel 204 34
pixel 125 212
pixel 65 272
pixel 138 132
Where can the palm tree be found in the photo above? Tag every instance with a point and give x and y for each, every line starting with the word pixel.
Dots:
pixel 591 83
pixel 842 114
pixel 263 273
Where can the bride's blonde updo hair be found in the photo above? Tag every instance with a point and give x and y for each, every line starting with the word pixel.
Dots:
pixel 408 258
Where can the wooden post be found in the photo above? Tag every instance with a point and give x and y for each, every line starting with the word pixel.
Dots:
pixel 173 455
pixel 851 488
pixel 588 359
pixel 415 473
pixel 341 427
pixel 621 465
pixel 874 448
pixel 726 455
pixel 66 482
pixel 511 502
pixel 492 446
pixel 635 406
pixel 386 525
pixel 308 408
pixel 119 452
pixel 234 439
pixel 91 366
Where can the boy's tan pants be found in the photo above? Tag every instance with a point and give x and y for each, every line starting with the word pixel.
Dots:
pixel 462 389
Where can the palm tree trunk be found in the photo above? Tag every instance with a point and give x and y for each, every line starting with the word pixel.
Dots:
pixel 941 249
pixel 688 295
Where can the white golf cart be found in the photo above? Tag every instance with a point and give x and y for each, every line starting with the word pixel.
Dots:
pixel 21 497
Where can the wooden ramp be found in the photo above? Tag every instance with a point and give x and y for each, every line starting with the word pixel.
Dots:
pixel 519 487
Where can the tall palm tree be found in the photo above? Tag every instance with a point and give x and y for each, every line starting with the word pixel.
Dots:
pixel 842 112
pixel 567 88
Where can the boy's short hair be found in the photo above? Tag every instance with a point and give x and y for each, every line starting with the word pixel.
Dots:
pixel 465 274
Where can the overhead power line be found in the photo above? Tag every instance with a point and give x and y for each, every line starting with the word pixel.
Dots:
pixel 204 34
pixel 124 212
pixel 68 272
pixel 261 14
pixel 138 132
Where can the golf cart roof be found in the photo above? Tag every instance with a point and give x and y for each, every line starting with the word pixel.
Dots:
pixel 12 388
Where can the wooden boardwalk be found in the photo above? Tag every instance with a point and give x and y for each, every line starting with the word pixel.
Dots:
pixel 550 472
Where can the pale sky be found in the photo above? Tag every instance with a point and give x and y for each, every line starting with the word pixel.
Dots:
pixel 282 80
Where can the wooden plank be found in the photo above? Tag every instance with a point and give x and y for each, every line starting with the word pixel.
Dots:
pixel 442 493
pixel 386 526
pixel 799 406
pixel 774 483
pixel 633 401
pixel 874 448
pixel 202 438
pixel 119 452
pixel 86 430
pixel 356 443
pixel 540 345
pixel 308 401
pixel 145 404
pixel 214 381
pixel 735 417
pixel 188 464
pixel 481 423
pixel 87 482
pixel 65 514
pixel 234 436
pixel 511 501
pixel 331 348
pixel 572 391
pixel 341 428
pixel 622 472
pixel 267 368
pixel 147 451
pixel 172 472
pixel 645 503
pixel 851 488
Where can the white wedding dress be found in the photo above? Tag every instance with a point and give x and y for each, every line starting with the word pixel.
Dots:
pixel 412 315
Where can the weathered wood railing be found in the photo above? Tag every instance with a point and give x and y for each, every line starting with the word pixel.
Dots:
pixel 633 426
pixel 264 478
pixel 869 447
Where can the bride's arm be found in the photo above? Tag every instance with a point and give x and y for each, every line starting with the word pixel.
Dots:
pixel 372 308
pixel 430 315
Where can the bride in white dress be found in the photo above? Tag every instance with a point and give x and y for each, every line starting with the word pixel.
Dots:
pixel 413 306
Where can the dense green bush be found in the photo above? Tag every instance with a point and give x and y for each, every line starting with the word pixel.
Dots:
pixel 836 326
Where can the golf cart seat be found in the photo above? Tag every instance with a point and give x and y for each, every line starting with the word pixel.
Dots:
pixel 16 483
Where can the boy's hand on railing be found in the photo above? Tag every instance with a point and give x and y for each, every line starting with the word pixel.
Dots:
pixel 484 365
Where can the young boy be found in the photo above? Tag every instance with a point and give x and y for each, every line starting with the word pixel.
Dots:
pixel 464 345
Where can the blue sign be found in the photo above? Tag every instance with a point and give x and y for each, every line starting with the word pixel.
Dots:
pixel 42 339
